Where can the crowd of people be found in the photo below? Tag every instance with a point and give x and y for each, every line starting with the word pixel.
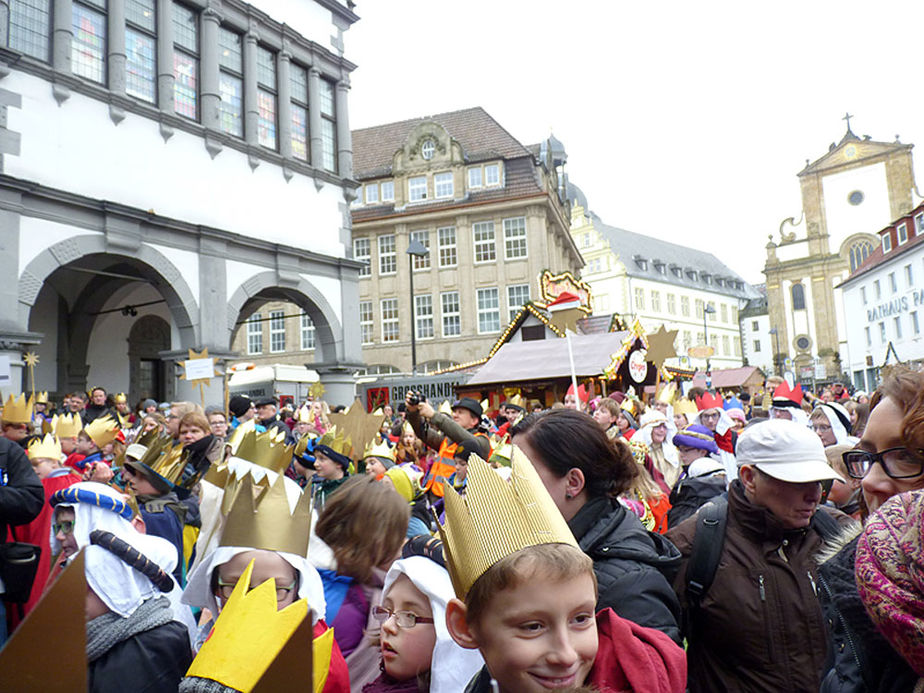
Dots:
pixel 702 541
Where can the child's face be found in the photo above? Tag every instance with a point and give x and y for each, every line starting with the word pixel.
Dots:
pixel 374 467
pixel 85 446
pixel 326 467
pixel 406 652
pixel 267 564
pixel 532 641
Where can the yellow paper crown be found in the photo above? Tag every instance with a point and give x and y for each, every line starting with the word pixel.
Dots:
pixel 685 406
pixel 249 635
pixel 407 428
pixel 120 398
pixel 267 449
pixel 517 401
pixel 666 395
pixel 102 431
pixel 496 519
pixel 66 425
pixel 42 397
pixel 18 410
pixel 165 459
pixel 303 415
pixel 45 448
pixel 379 448
pixel 335 441
pixel 266 522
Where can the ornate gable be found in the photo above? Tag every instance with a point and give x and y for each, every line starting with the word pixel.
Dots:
pixel 428 145
pixel 852 151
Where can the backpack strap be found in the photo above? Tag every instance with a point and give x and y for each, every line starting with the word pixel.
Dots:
pixel 707 549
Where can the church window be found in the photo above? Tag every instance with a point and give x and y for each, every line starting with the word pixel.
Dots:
pixel 798 297
pixel 902 233
pixel 855 198
pixel 88 49
pixel 30 27
pixel 886 242
pixel 859 251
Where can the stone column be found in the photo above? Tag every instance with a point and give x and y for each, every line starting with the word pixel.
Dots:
pixel 284 102
pixel 339 385
pixel 165 77
pixel 314 116
pixel 209 94
pixel 63 35
pixel 184 391
pixel 4 22
pixel 116 44
pixel 251 113
pixel 344 140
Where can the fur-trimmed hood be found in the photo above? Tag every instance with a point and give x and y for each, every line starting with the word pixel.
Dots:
pixel 847 535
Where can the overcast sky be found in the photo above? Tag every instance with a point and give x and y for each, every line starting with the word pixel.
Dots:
pixel 683 120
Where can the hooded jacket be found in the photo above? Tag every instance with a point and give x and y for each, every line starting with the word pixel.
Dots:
pixel 632 565
pixel 21 492
pixel 759 627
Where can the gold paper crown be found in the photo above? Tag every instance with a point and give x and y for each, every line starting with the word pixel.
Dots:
pixel 102 431
pixel 120 398
pixel 165 459
pixel 267 449
pixel 18 410
pixel 407 428
pixel 303 415
pixel 266 523
pixel 334 440
pixel 501 451
pixel 517 401
pixel 42 397
pixel 66 425
pixel 379 448
pixel 250 634
pixel 496 519
pixel 45 448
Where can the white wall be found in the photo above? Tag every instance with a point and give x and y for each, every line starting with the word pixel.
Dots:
pixel 131 164
pixel 307 17
pixel 762 358
pixel 844 219
pixel 44 320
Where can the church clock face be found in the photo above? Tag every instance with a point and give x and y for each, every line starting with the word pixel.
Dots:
pixel 856 197
pixel 850 151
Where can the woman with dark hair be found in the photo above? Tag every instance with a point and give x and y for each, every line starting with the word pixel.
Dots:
pixel 585 473
pixel 889 459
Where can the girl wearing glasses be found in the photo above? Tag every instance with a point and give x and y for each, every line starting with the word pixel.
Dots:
pixel 888 460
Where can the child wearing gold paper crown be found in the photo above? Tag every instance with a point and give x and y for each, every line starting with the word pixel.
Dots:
pixel 526 599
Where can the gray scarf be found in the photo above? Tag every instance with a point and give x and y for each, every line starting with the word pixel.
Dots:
pixel 106 631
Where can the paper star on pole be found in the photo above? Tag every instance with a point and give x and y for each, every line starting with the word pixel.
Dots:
pixel 358 425
pixel 200 356
pixel 661 346
pixel 316 390
pixel 31 359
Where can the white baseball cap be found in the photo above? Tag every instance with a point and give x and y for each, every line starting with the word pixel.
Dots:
pixel 785 450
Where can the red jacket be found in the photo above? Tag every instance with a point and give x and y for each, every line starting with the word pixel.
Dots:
pixel 634 658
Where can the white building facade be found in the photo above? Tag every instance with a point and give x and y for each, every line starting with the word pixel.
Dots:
pixel 662 283
pixel 758 337
pixel 167 168
pixel 885 298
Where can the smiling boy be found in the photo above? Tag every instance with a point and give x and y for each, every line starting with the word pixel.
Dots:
pixel 526 598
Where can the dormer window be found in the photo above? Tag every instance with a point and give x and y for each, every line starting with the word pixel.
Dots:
pixel 902 233
pixel 707 278
pixel 691 275
pixel 719 281
pixel 886 242
pixel 660 266
pixel 677 270
pixel 641 262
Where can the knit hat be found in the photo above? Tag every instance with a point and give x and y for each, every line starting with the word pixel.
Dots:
pixel 467 448
pixel 696 436
pixel 342 460
pixel 148 403
pixel 784 450
pixel 737 414
pixel 239 405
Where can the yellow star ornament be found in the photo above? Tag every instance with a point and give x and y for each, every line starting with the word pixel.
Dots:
pixel 661 346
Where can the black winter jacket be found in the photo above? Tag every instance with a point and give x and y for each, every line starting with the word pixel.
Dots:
pixel 633 566
pixel 21 492
pixel 859 658
pixel 152 661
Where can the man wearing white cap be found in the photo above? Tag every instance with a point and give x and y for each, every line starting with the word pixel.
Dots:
pixel 755 622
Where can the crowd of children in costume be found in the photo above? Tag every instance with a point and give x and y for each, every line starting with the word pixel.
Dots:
pixel 414 549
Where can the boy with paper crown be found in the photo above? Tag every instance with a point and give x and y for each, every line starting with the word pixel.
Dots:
pixel 66 428
pixel 267 524
pixel 526 595
pixel 92 439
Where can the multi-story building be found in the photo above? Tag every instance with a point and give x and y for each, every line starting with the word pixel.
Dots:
pixel 661 283
pixel 860 185
pixel 491 215
pixel 758 337
pixel 169 166
pixel 885 298
pixel 278 332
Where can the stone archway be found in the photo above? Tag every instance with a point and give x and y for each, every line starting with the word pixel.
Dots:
pixel 147 373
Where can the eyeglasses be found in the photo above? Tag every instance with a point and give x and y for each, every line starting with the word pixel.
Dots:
pixel 710 415
pixel 404 619
pixel 897 463
pixel 821 428
pixel 226 588
pixel 63 527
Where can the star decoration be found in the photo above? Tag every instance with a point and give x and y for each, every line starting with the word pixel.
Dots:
pixel 31 359
pixel 316 390
pixel 661 346
pixel 359 426
pixel 566 319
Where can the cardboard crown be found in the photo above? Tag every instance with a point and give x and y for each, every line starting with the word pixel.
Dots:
pixel 18 410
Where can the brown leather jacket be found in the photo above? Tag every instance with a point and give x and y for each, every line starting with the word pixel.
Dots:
pixel 760 626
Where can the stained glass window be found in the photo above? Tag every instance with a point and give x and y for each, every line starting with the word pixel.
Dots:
pixel 230 82
pixel 298 87
pixel 266 97
pixel 140 65
pixel 88 55
pixel 185 61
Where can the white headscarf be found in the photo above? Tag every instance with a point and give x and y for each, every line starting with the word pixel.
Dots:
pixel 452 667
pixel 652 418
pixel 841 434
pixel 198 590
pixel 118 585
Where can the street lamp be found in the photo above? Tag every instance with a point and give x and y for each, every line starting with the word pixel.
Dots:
pixel 707 310
pixel 776 338
pixel 414 249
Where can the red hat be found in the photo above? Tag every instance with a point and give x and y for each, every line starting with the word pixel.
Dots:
pixel 784 396
pixel 581 392
pixel 709 400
